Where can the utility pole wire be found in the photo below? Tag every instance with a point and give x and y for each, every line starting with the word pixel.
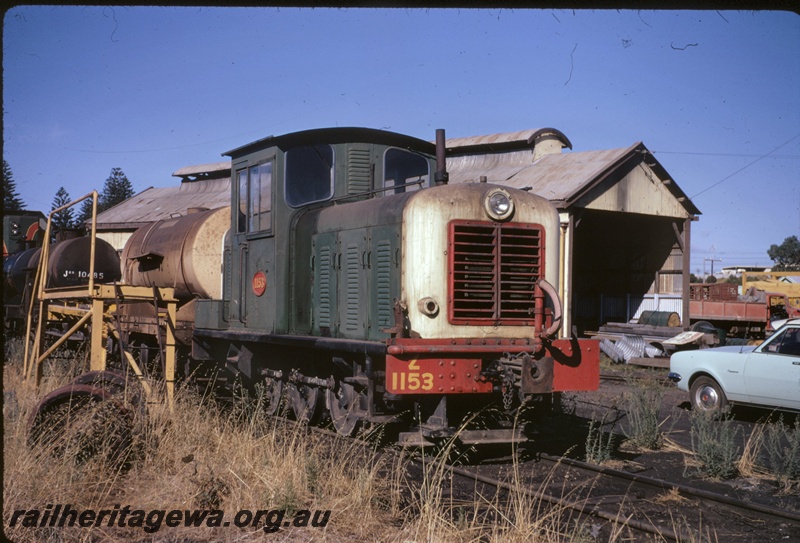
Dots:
pixel 745 166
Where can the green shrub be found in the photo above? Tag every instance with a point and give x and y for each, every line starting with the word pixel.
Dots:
pixel 782 443
pixel 643 405
pixel 714 444
pixel 599 444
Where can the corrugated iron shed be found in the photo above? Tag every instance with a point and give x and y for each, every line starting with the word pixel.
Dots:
pixel 204 186
pixel 505 140
pixel 563 178
pixel 205 171
pixel 625 239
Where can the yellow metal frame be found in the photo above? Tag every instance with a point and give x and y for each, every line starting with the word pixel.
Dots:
pixel 94 305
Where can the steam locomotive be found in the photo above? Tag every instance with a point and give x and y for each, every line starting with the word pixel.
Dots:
pixel 349 282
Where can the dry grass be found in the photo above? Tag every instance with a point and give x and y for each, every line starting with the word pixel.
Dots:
pixel 521 517
pixel 197 456
pixel 772 453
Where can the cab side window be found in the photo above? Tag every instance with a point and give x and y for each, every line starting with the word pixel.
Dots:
pixel 404 171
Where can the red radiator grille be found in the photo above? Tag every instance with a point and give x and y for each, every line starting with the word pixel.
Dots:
pixel 493 271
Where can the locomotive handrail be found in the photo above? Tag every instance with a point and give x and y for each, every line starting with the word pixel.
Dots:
pixel 374 191
pixel 550 290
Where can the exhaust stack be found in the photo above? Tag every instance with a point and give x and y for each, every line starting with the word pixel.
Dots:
pixel 440 177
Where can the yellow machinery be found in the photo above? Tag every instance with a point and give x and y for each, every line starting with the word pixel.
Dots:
pixel 93 305
pixel 771 282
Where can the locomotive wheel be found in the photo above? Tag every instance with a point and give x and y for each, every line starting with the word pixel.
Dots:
pixel 305 401
pixel 273 394
pixel 343 406
pixel 83 422
pixel 117 384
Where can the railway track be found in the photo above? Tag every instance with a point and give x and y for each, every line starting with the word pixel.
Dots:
pixel 659 378
pixel 663 510
pixel 647 508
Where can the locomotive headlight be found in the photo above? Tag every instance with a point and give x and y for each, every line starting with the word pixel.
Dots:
pixel 499 204
pixel 14 228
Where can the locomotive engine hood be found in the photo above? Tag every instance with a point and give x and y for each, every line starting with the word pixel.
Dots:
pixel 466 256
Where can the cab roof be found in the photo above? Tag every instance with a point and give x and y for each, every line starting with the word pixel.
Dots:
pixel 336 135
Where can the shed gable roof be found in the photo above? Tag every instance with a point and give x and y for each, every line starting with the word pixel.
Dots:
pixel 564 178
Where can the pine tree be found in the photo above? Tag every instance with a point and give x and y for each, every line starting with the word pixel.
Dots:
pixel 64 219
pixel 85 213
pixel 117 189
pixel 11 198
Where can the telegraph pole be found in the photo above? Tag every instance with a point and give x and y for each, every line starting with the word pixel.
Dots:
pixel 712 260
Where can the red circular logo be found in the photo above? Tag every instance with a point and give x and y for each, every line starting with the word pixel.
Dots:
pixel 259 283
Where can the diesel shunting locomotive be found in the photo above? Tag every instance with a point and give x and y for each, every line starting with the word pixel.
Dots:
pixel 348 281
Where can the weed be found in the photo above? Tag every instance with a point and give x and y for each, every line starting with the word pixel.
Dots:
pixel 211 492
pixel 783 446
pixel 714 444
pixel 312 472
pixel 599 444
pixel 643 405
pixel 582 532
pixel 198 455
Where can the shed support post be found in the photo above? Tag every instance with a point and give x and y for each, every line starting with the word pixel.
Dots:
pixel 685 272
pixel 567 221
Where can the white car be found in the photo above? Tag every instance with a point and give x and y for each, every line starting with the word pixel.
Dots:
pixel 767 375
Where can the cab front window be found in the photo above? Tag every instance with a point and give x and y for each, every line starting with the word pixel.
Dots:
pixel 309 174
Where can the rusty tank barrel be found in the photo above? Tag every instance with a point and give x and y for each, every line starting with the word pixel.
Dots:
pixel 16 270
pixel 183 253
pixel 68 263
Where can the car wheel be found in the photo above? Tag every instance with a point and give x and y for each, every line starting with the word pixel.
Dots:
pixel 708 396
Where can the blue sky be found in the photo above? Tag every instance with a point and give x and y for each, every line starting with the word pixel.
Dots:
pixel 715 95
